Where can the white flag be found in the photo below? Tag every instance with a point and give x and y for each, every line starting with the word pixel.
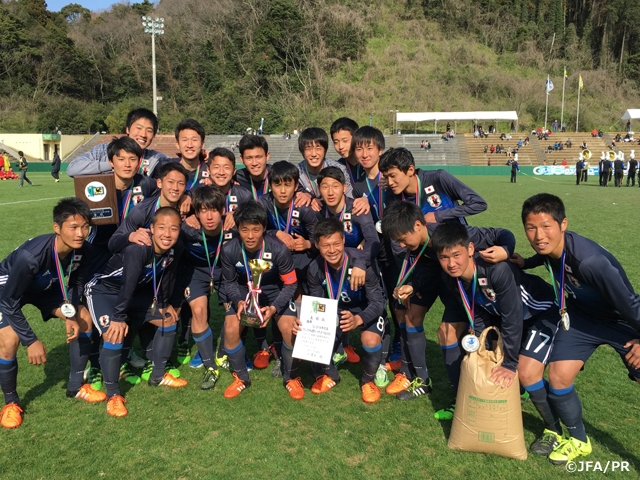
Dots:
pixel 549 84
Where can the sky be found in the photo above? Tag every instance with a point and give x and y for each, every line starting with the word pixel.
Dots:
pixel 93 5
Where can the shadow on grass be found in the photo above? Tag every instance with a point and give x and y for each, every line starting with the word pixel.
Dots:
pixel 612 444
pixel 56 371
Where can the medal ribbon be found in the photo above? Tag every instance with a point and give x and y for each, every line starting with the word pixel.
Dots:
pixel 344 209
pixel 406 270
pixel 314 187
pixel 155 209
pixel 287 226
pixel 379 203
pixel 141 163
pixel 253 291
pixel 329 277
pixel 156 287
pixel 469 306
pixel 358 172
pixel 206 250
pixel 63 284
pixel 127 204
pixel 418 191
pixel 195 179
pixel 265 187
pixel 558 290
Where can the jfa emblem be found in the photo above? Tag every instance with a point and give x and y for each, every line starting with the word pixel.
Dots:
pixel 295 222
pixel 434 200
pixel 348 227
pixel 137 199
pixel 489 293
pixel 103 321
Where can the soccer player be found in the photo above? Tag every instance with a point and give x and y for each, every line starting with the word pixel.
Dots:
pixel 222 169
pixel 313 144
pixel 601 308
pixel 172 183
pixel 190 142
pixel 363 307
pixel 47 272
pixel 137 284
pixel 522 306
pixel 200 272
pixel 277 288
pixel 341 132
pixel 142 126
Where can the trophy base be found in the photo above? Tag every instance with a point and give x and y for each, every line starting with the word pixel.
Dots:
pixel 252 321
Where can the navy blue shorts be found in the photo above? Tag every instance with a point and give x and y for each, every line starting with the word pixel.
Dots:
pixel 585 335
pixel 538 335
pixel 46 301
pixel 194 282
pixel 101 302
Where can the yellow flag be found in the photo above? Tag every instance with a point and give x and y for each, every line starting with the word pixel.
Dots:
pixel 580 84
pixel 565 72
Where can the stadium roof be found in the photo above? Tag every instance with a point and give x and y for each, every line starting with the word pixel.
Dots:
pixel 459 116
pixel 630 114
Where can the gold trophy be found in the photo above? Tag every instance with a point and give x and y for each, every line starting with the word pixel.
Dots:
pixel 251 315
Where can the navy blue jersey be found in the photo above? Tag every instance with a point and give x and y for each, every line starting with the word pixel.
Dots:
pixel 281 277
pixel 194 177
pixel 366 187
pixel 130 272
pixel 356 229
pixel 355 171
pixel 440 193
pixel 303 219
pixel 597 286
pixel 139 217
pixel 31 269
pixel 368 300
pixel 195 252
pixel 257 189
pixel 236 195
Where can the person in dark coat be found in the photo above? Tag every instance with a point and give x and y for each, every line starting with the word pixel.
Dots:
pixel 55 167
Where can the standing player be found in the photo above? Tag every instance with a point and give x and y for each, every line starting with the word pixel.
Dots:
pixel 142 126
pixel 341 132
pixel 137 284
pixel 364 307
pixel 618 168
pixel 633 168
pixel 277 288
pixel 601 307
pixel 23 166
pixel 47 272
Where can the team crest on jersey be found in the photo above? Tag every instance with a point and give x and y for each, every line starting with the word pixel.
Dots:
pixel 232 207
pixel 137 199
pixel 295 222
pixel 266 255
pixel 145 162
pixel 103 320
pixel 145 170
pixel 429 189
pixel 489 293
pixel 482 282
pixel 347 216
pixel 187 292
pixel 434 200
pixel 574 281
pixel 137 189
pixel 348 227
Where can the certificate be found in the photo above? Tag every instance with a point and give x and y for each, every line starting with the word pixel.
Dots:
pixel 317 335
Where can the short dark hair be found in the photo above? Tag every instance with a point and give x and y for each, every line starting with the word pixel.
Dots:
pixel 190 124
pixel 250 212
pixel 450 235
pixel 168 167
pixel 222 152
pixel 20 152
pixel 400 218
pixel 331 172
pixel 313 135
pixel 127 144
pixel 343 123
pixel 366 135
pixel 139 113
pixel 327 227
pixel 249 142
pixel 165 211
pixel 544 203
pixel 283 171
pixel 399 157
pixel 68 207
pixel 208 196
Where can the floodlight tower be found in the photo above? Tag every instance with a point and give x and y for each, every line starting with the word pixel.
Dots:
pixel 154 27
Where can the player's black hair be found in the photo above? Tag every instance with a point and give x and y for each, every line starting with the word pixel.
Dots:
pixel 164 212
pixel 190 124
pixel 283 171
pixel 400 158
pixel 250 212
pixel 128 144
pixel 544 203
pixel 20 153
pixel 68 207
pixel 249 142
pixel 139 113
pixel 450 235
pixel 400 218
pixel 331 172
pixel 343 123
pixel 313 135
pixel 222 152
pixel 327 227
pixel 366 135
pixel 168 167
pixel 208 196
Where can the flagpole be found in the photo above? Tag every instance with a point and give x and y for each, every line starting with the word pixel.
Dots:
pixel 564 80
pixel 578 112
pixel 546 108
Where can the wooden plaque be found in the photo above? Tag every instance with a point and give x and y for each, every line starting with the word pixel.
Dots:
pixel 99 192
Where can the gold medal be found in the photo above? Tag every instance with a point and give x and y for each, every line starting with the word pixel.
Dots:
pixel 152 309
pixel 211 286
pixel 564 317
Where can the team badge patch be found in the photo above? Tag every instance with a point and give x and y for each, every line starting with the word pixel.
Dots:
pixel 104 321
pixel 348 227
pixel 347 216
pixel 145 162
pixel 482 282
pixel 295 222
pixel 266 255
pixel 489 293
pixel 187 292
pixel 429 189
pixel 232 207
pixel 137 199
pixel 434 200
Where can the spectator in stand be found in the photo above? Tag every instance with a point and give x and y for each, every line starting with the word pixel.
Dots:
pixel 583 146
pixel 520 143
pixel 564 163
pixel 422 144
pixel 509 152
pixel 568 143
pixel 555 125
pixel 628 127
pixel 594 133
pixel 489 164
pixel 427 145
pixel 527 141
pixel 554 163
pixel 513 127
pixel 476 134
pixel 492 149
pixel 564 127
pixel 448 126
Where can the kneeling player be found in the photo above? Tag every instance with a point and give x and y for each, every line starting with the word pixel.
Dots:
pixel 34 273
pixel 277 288
pixel 364 307
pixel 137 283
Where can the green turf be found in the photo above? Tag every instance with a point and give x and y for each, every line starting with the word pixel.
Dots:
pixel 195 434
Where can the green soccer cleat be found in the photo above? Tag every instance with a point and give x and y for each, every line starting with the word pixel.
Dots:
pixel 169 368
pixel 524 397
pixel 223 362
pixel 95 378
pixel 339 359
pixel 382 378
pixel 546 443
pixel 172 369
pixel 211 376
pixel 417 388
pixel 184 353
pixel 445 413
pixel 129 375
pixel 570 449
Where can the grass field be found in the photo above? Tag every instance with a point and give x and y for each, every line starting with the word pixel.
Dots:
pixel 194 434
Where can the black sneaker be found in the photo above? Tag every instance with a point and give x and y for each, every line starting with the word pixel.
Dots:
pixel 546 443
pixel 417 388
pixel 210 379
